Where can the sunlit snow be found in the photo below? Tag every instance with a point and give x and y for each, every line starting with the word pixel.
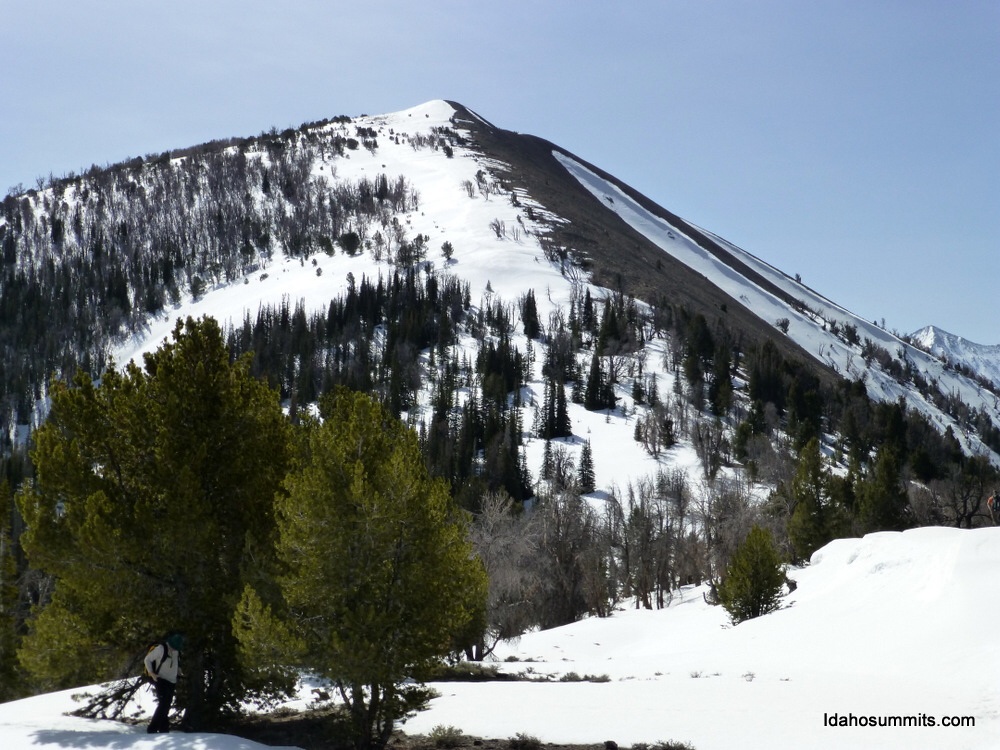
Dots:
pixel 891 625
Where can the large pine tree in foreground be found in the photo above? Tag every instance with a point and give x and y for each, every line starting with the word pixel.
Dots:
pixel 153 503
pixel 378 578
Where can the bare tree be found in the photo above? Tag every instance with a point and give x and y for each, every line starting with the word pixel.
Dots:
pixel 709 441
pixel 569 534
pixel 961 498
pixel 727 514
pixel 506 543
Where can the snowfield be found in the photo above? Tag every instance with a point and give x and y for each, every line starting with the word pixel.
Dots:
pixel 894 627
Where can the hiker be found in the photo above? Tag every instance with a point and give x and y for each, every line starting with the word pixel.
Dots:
pixel 163 668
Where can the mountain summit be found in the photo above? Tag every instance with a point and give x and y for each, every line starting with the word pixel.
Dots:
pixel 102 264
pixel 982 360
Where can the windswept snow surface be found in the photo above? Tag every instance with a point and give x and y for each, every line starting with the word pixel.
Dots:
pixel 894 627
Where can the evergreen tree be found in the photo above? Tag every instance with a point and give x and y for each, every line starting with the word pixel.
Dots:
pixel 882 501
pixel 586 471
pixel 816 518
pixel 529 316
pixel 720 391
pixel 555 421
pixel 754 578
pixel 153 502
pixel 547 461
pixel 378 576
pixel 8 599
pixel 638 396
pixel 563 425
pixel 599 391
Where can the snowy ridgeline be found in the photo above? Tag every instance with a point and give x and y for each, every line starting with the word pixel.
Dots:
pixel 841 340
pixel 893 628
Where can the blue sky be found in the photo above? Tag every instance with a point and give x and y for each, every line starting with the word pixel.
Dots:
pixel 855 143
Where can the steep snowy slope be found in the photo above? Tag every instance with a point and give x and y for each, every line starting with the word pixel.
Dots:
pixel 458 203
pixel 832 335
pixel 513 228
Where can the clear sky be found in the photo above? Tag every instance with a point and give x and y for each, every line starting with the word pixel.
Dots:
pixel 854 142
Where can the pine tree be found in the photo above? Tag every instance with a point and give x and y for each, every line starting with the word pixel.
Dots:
pixel 378 576
pixel 882 501
pixel 754 579
pixel 529 316
pixel 562 427
pixel 153 502
pixel 594 391
pixel 547 461
pixel 816 518
pixel 586 470
pixel 9 677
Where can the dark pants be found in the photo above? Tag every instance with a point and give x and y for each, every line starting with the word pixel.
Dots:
pixel 164 697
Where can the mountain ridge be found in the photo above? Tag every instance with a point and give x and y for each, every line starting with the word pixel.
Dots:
pixel 551 213
pixel 981 359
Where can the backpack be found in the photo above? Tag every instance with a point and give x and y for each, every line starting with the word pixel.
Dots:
pixel 148 676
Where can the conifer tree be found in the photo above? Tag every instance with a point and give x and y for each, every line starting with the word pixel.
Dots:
pixel 882 502
pixel 593 398
pixel 563 425
pixel 754 578
pixel 378 574
pixel 587 479
pixel 153 502
pixel 547 461
pixel 817 518
pixel 8 599
pixel 529 316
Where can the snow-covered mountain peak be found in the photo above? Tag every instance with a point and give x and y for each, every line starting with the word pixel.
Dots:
pixel 434 113
pixel 982 360
pixel 503 212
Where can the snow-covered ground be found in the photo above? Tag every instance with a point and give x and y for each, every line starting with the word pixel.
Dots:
pixel 895 627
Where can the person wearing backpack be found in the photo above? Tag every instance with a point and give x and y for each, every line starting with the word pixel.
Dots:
pixel 163 667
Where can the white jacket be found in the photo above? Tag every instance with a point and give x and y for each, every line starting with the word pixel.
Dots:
pixel 164 657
